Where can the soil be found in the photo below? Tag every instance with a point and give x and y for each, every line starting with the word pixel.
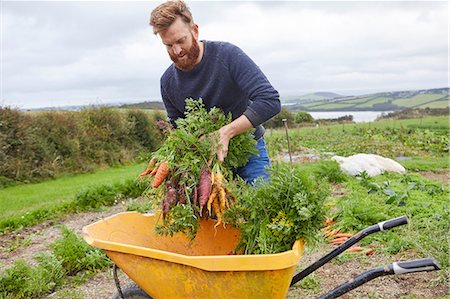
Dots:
pixel 442 176
pixel 418 285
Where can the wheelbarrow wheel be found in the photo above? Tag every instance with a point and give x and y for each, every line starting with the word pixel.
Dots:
pixel 132 291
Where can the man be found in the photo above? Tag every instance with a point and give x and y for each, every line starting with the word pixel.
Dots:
pixel 219 73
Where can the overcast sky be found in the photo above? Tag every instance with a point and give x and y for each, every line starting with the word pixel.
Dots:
pixel 59 53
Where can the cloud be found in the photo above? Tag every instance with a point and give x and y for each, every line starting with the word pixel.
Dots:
pixel 59 52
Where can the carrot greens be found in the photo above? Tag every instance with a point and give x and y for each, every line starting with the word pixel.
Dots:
pixel 187 152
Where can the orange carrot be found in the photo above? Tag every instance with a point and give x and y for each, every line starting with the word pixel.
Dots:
pixel 147 171
pixel 151 163
pixel 329 221
pixel 339 240
pixel 154 171
pixel 369 251
pixel 354 249
pixel 326 229
pixel 332 233
pixel 342 235
pixel 161 174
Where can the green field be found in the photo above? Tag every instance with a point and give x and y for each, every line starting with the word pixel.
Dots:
pixel 418 100
pixel 26 198
pixel 431 100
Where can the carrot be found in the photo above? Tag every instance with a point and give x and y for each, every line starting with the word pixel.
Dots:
pixel 326 229
pixel 216 209
pixel 218 181
pixel 342 235
pixel 182 194
pixel 211 199
pixel 332 233
pixel 338 242
pixel 354 249
pixel 146 172
pixel 329 221
pixel 149 168
pixel 161 174
pixel 195 196
pixel 151 163
pixel 154 171
pixel 170 200
pixel 339 239
pixel 204 188
pixel 369 251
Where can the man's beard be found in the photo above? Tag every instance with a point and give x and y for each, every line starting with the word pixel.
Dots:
pixel 191 55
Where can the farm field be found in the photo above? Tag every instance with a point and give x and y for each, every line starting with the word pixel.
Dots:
pixel 420 145
pixel 375 101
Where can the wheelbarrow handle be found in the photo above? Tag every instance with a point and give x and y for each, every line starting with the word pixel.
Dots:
pixel 419 265
pixel 381 226
pixel 411 266
pixel 388 224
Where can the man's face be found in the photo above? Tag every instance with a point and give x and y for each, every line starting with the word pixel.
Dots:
pixel 181 43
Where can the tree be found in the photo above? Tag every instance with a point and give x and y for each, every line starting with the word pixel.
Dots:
pixel 303 117
pixel 277 120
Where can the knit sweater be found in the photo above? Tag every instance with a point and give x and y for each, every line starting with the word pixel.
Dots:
pixel 225 78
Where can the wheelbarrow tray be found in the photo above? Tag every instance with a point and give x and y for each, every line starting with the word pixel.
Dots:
pixel 177 267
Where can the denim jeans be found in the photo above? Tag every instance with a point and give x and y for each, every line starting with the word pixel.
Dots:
pixel 257 165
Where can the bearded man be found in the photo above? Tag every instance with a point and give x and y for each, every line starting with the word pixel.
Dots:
pixel 222 75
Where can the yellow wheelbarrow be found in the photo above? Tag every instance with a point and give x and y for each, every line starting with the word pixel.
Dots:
pixel 176 267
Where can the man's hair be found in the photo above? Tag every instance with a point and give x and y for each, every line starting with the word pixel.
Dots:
pixel 165 14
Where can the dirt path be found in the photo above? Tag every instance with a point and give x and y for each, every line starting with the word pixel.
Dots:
pixel 420 285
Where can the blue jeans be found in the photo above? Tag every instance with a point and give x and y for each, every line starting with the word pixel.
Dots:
pixel 257 165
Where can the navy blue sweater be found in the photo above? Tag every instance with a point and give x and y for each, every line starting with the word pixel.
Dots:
pixel 225 78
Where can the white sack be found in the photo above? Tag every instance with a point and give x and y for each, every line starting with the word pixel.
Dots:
pixel 372 164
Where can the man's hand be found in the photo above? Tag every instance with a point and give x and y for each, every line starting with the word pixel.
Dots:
pixel 236 127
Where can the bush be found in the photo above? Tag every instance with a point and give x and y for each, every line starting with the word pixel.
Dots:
pixel 41 145
pixel 143 130
pixel 303 117
pixel 277 120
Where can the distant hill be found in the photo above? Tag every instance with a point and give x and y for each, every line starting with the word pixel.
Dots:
pixel 311 97
pixel 383 101
pixel 154 105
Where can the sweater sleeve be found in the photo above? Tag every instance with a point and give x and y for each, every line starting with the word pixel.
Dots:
pixel 264 99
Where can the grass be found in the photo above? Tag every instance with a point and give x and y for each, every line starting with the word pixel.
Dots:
pixel 432 164
pixel 417 138
pixel 20 199
pixel 425 203
pixel 70 256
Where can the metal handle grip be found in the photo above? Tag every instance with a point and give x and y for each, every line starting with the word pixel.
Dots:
pixel 388 224
pixel 419 265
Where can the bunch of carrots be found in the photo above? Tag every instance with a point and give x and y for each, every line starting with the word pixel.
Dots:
pixel 336 237
pixel 211 191
pixel 184 174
